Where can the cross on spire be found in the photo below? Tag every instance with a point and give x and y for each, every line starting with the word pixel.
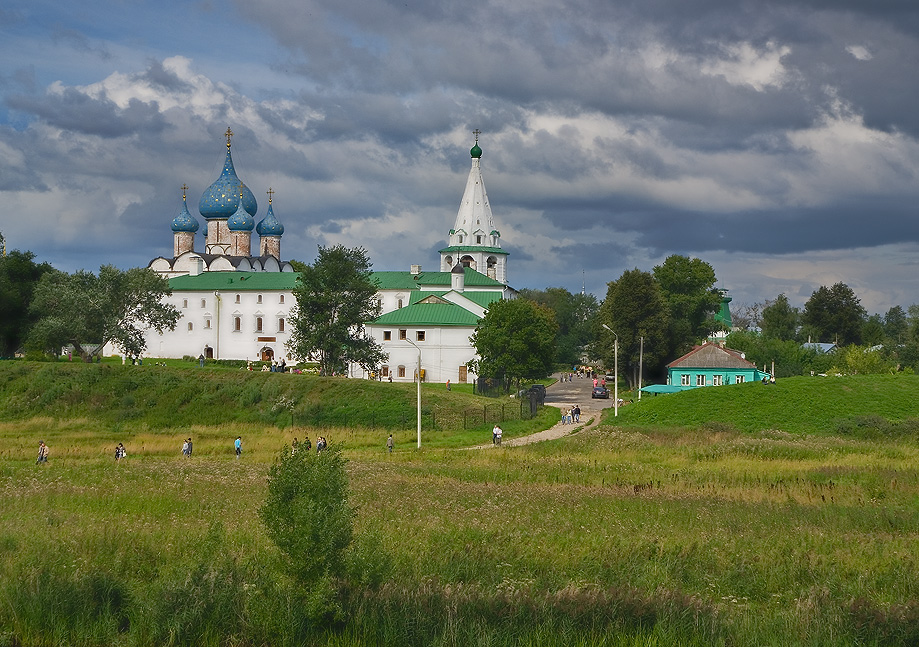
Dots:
pixel 229 134
pixel 270 193
pixel 475 132
pixel 241 187
pixel 184 189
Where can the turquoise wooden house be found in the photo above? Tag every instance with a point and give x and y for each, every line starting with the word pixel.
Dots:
pixel 711 365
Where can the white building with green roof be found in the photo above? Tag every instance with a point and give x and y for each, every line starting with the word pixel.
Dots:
pixel 237 307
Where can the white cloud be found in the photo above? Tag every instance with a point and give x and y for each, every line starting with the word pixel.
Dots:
pixel 744 64
pixel 860 52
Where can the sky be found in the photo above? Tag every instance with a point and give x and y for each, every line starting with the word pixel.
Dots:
pixel 777 140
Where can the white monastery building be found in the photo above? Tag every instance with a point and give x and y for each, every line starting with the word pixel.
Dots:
pixel 235 304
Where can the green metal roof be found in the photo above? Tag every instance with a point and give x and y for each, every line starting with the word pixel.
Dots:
pixel 428 314
pixel 473 248
pixel 235 281
pixel 484 299
pixel 409 281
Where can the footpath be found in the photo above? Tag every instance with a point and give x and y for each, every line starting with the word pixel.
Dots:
pixel 564 395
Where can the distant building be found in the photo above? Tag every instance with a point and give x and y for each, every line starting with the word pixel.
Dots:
pixel 235 304
pixel 711 365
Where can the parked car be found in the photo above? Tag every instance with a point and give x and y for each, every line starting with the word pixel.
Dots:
pixel 600 392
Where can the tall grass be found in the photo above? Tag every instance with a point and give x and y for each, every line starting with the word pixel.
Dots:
pixel 619 535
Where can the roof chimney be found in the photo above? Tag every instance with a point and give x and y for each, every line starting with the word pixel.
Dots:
pixel 416 269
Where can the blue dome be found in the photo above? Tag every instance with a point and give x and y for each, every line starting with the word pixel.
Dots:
pixel 185 221
pixel 270 226
pixel 222 197
pixel 241 221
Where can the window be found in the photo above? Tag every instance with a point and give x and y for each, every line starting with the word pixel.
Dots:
pixel 384 371
pixel 478 240
pixel 403 334
pixel 259 299
pixel 191 326
pixel 717 380
pixel 419 336
pixel 401 371
pixel 739 379
pixel 237 298
pixel 207 323
pixel 184 303
pixel 258 324
pixel 281 324
pixel 700 380
pixel 203 303
pixel 387 335
pixel 237 324
pixel 281 299
pixel 684 380
pixel 400 303
pixel 461 238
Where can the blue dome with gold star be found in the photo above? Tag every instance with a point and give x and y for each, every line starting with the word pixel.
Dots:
pixel 185 221
pixel 221 199
pixel 241 221
pixel 270 226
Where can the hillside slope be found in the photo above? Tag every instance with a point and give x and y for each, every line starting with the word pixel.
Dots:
pixel 796 405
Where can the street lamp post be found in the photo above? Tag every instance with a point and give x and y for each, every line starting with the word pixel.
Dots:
pixel 418 377
pixel 615 371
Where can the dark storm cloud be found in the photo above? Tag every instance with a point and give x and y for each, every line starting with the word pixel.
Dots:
pixel 75 111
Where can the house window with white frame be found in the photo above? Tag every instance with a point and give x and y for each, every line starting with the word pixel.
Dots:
pixel 684 380
pixel 207 324
pixel 237 324
pixel 281 298
pixel 387 335
pixel 237 298
pixel 258 299
pixel 280 324
pixel 401 371
pixel 717 380
pixel 700 380
pixel 419 335
pixel 740 379
pixel 258 324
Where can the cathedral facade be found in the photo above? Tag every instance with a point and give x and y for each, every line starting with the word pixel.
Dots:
pixel 235 303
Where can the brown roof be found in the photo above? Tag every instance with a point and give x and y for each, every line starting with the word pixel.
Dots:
pixel 711 356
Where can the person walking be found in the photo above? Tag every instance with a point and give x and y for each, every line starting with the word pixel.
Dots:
pixel 239 446
pixel 185 448
pixel 389 443
pixel 189 448
pixel 577 413
pixel 42 452
pixel 494 435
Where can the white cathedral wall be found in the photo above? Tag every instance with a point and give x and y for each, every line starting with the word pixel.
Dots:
pixel 204 323
pixel 443 351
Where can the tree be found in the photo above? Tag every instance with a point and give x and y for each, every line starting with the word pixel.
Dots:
pixel 873 331
pixel 515 341
pixel 634 308
pixel 835 314
pixel 574 314
pixel 19 275
pixel 335 297
pixel 780 319
pixel 896 325
pixel 688 288
pixel 307 515
pixel 116 306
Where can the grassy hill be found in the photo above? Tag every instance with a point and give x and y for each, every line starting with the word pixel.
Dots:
pixel 826 405
pixel 160 397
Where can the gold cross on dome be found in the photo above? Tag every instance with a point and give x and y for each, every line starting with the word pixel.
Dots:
pixel 241 187
pixel 184 189
pixel 270 193
pixel 476 132
pixel 229 134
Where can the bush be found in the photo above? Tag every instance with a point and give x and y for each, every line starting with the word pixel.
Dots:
pixel 306 514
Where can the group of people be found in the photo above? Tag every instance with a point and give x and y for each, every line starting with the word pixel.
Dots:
pixel 572 415
pixel 496 434
pixel 120 452
pixel 186 448
pixel 275 367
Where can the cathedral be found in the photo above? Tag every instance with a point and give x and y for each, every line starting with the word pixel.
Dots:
pixel 235 304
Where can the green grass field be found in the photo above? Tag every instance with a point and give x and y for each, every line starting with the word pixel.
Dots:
pixel 751 515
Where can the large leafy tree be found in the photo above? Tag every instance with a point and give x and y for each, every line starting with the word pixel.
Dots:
pixel 835 314
pixel 115 306
pixel 896 325
pixel 634 309
pixel 779 319
pixel 574 314
pixel 515 341
pixel 688 287
pixel 335 297
pixel 19 275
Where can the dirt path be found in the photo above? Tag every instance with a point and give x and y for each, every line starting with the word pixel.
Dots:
pixel 559 395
